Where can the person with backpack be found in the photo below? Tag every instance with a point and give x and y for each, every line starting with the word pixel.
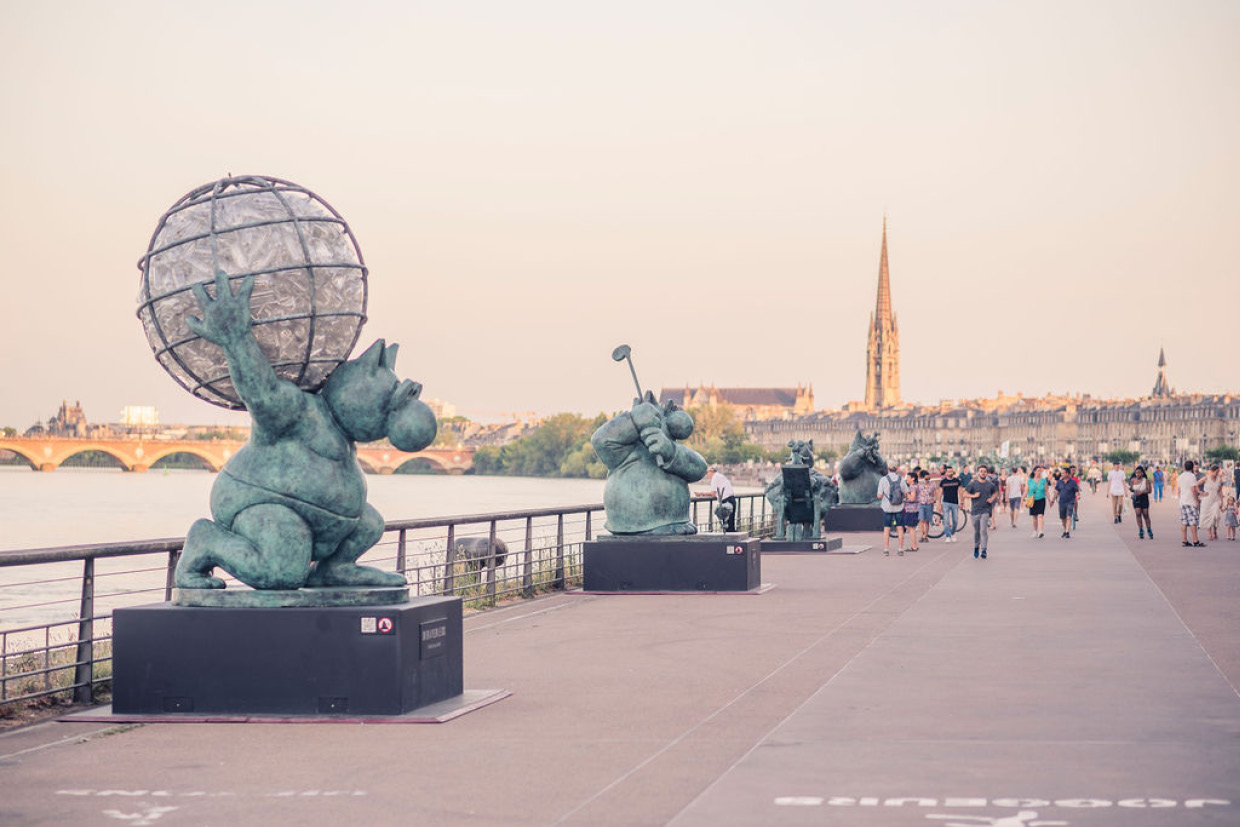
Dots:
pixel 892 492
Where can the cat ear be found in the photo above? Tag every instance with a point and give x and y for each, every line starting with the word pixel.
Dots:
pixel 373 356
pixel 389 357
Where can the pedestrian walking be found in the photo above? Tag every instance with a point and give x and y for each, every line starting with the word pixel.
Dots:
pixel 925 505
pixel 1067 492
pixel 1094 476
pixel 1160 480
pixel 1035 500
pixel 1117 488
pixel 1140 487
pixel 1229 517
pixel 1190 504
pixel 949 503
pixel 911 509
pixel 1212 502
pixel 981 493
pixel 892 491
pixel 1015 485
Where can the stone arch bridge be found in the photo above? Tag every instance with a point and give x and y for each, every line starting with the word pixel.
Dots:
pixel 48 453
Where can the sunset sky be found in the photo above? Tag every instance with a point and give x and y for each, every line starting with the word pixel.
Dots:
pixel 533 183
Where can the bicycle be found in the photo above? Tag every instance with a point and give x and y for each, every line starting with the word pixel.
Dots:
pixel 936 529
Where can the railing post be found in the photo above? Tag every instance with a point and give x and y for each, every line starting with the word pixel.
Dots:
pixel 449 573
pixel 589 515
pixel 491 565
pixel 528 578
pixel 170 579
pixel 557 580
pixel 694 517
pixel 84 668
pixel 710 517
pixel 400 551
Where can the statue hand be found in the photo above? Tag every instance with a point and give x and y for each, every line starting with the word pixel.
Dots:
pixel 659 444
pixel 647 415
pixel 226 318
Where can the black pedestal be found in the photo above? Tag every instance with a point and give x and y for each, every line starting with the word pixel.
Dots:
pixel 819 546
pixel 371 660
pixel 696 563
pixel 854 518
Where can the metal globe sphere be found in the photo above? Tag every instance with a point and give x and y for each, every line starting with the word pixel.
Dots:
pixel 309 300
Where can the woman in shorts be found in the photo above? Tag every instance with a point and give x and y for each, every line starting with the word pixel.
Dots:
pixel 911 510
pixel 1035 487
pixel 1140 488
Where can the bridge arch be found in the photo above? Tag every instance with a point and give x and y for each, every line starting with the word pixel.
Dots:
pixel 367 466
pixel 29 457
pixel 123 462
pixel 423 464
pixel 155 456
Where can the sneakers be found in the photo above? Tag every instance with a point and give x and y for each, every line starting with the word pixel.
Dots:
pixel 975 553
pixel 1035 534
pixel 1040 535
pixel 983 554
pixel 1141 534
pixel 888 553
pixel 900 552
pixel 1151 534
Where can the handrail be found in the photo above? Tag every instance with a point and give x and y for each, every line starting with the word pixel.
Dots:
pixel 88 551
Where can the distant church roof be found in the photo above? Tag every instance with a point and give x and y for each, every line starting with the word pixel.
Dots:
pixel 1162 388
pixel 784 397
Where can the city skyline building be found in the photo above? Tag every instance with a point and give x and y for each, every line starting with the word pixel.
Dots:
pixel 882 353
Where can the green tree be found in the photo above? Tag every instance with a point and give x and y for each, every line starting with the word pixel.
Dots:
pixel 558 447
pixel 1222 453
pixel 1123 457
pixel 720 437
pixel 10 431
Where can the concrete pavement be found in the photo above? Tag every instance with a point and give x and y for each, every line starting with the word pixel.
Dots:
pixel 1089 681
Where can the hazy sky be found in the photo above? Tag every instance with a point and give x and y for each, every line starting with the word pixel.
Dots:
pixel 533 183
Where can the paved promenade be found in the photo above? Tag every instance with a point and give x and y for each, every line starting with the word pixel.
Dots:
pixel 1090 681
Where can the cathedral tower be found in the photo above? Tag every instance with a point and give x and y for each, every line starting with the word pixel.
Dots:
pixel 1162 388
pixel 882 357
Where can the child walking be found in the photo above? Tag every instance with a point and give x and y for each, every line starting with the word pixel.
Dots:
pixel 1229 518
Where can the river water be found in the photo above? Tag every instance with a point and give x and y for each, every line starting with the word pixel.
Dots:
pixel 72 506
pixel 85 505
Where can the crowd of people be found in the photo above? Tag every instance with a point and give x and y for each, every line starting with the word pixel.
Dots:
pixel 909 499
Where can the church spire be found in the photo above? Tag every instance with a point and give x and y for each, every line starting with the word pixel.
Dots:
pixel 882 369
pixel 1162 388
pixel 882 307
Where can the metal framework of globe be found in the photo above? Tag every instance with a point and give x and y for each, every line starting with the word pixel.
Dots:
pixel 310 293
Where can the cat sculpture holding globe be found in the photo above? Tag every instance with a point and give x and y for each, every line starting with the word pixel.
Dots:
pixel 289 509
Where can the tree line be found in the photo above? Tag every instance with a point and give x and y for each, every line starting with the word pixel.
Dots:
pixel 560 447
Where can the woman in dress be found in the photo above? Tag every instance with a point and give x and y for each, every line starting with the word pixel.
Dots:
pixel 1035 489
pixel 1212 502
pixel 1139 486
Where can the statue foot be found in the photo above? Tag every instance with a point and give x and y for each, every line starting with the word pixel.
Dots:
pixel 197 580
pixel 351 574
pixel 673 529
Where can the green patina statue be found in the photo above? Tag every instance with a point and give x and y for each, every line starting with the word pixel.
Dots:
pixel 800 496
pixel 648 475
pixel 860 471
pixel 290 507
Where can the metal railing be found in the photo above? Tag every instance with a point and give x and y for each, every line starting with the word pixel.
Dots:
pixel 50 651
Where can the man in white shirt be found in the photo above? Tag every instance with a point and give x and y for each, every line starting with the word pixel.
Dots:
pixel 725 494
pixel 1117 487
pixel 1190 504
pixel 892 491
pixel 1014 484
